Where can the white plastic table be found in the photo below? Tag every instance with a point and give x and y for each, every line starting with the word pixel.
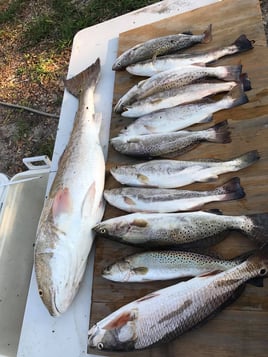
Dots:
pixel 43 335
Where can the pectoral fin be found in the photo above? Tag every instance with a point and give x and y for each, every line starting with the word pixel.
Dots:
pixel 62 202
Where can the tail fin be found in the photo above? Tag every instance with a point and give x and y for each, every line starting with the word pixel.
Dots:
pixel 245 82
pixel 207 35
pixel 257 228
pixel 231 190
pixel 220 133
pixel 233 73
pixel 244 160
pixel 243 43
pixel 237 97
pixel 83 80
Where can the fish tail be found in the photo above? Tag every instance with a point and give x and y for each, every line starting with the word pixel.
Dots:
pixel 231 190
pixel 219 133
pixel 256 227
pixel 245 82
pixel 232 73
pixel 243 43
pixel 207 35
pixel 236 97
pixel 83 80
pixel 244 160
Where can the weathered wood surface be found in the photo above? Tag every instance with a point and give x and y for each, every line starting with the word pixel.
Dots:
pixel 241 329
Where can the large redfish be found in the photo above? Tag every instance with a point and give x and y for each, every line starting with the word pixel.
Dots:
pixel 74 204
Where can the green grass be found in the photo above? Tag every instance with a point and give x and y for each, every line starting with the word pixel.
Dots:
pixel 64 19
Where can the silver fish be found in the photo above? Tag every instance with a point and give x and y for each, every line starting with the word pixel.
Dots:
pixel 176 96
pixel 182 116
pixel 151 67
pixel 160 46
pixel 163 315
pixel 132 199
pixel 170 144
pixel 74 204
pixel 182 230
pixel 175 78
pixel 175 173
pixel 164 265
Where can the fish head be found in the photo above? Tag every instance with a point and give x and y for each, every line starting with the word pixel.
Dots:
pixel 119 271
pixel 57 279
pixel 259 260
pixel 115 228
pixel 120 173
pixel 117 332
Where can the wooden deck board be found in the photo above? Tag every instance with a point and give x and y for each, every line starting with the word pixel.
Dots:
pixel 241 329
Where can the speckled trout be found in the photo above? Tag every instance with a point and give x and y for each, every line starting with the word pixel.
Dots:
pixel 176 173
pixel 164 265
pixel 170 144
pixel 183 116
pixel 175 78
pixel 182 230
pixel 74 204
pixel 163 315
pixel 133 199
pixel 151 67
pixel 160 46
pixel 176 96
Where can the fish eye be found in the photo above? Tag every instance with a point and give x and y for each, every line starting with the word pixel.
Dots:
pixel 263 271
pixel 40 292
pixel 100 346
pixel 103 231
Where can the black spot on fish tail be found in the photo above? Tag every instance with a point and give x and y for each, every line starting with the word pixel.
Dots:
pixel 243 43
pixel 256 227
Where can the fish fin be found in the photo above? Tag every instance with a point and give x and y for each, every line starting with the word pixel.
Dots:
pixel 243 43
pixel 187 33
pixel 89 199
pixel 156 100
pixel 220 133
pixel 233 73
pixel 259 230
pixel 143 178
pixel 129 201
pixel 62 202
pixel 83 80
pixel 245 82
pixel 206 119
pixel 139 223
pixel 230 190
pixel 208 179
pixel 244 160
pixel 237 96
pixel 140 270
pixel 120 320
pixel 210 273
pixel 208 35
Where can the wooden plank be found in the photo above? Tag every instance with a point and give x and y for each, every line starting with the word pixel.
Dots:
pixel 240 330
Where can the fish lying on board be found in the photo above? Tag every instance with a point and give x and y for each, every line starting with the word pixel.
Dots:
pixel 136 199
pixel 74 204
pixel 175 78
pixel 153 66
pixel 175 173
pixel 164 265
pixel 183 116
pixel 160 46
pixel 176 96
pixel 163 315
pixel 170 144
pixel 182 230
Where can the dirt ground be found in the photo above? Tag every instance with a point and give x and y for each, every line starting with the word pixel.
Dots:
pixel 34 80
